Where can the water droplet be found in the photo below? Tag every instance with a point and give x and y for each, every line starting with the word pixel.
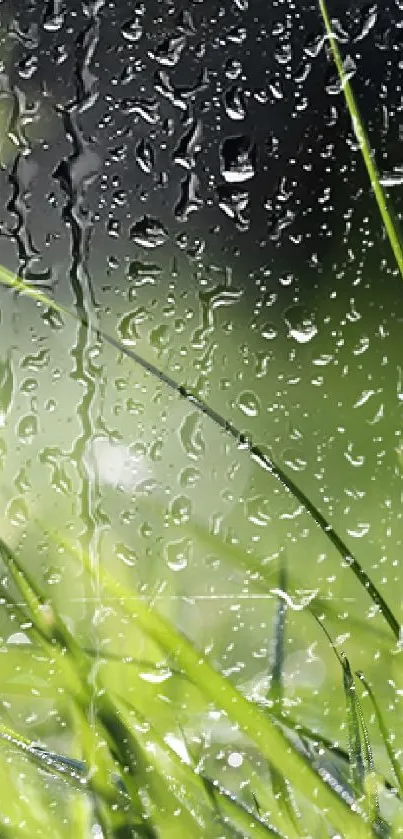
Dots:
pixel 301 325
pixel 294 461
pixel 335 84
pixel 188 146
pixel 249 403
pixel 191 436
pixel 269 331
pixel 36 362
pixel 181 509
pixel 257 510
pixel 178 554
pixel 18 638
pixel 126 329
pixel 17 512
pixel 361 530
pixel 156 677
pixel 132 30
pixel 127 555
pixel 6 388
pixel 145 156
pixel 237 159
pixel 148 232
pixel 189 476
pixel 235 103
pixel 169 51
pixel 160 337
pixel 52 575
pixel 233 69
pixel 27 428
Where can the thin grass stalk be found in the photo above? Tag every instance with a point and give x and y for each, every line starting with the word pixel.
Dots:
pixel 394 762
pixel 258 455
pixel 280 785
pixel 385 210
pixel 251 720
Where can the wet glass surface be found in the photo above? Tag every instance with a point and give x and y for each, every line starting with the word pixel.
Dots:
pixel 186 181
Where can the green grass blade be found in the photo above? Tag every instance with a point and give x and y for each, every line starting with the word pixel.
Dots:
pixel 72 771
pixel 384 732
pixel 349 560
pixel 261 457
pixel 355 747
pixel 244 820
pixel 316 741
pixel 135 748
pixel 355 753
pixel 280 786
pixel 276 690
pixel 372 781
pixel 45 620
pixel 361 763
pixel 250 719
pixel 59 643
pixel 385 210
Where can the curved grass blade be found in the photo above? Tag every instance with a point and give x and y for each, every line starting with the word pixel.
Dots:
pixel 74 772
pixel 385 210
pixel 71 770
pixel 356 751
pixel 188 777
pixel 384 733
pixel 256 725
pixel 61 645
pixel 142 774
pixel 257 453
pixel 371 780
pixel 265 573
pixel 356 760
pixel 316 740
pixel 45 620
pixel 276 690
pixel 244 820
pixel 280 786
pixel 361 762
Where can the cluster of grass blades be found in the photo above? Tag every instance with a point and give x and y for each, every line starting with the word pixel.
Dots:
pixel 139 783
pixel 129 778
